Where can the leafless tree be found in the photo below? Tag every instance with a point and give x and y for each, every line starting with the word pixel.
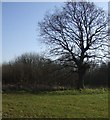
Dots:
pixel 109 30
pixel 77 34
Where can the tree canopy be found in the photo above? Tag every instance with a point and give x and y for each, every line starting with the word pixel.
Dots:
pixel 78 34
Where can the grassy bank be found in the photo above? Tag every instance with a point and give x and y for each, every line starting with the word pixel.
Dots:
pixel 87 103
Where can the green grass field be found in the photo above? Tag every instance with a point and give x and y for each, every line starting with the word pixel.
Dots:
pixel 56 104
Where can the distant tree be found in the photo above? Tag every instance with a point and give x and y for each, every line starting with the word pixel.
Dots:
pixel 25 70
pixel 32 69
pixel 29 71
pixel 77 35
pixel 97 77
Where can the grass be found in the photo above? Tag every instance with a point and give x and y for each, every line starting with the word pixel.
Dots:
pixel 89 103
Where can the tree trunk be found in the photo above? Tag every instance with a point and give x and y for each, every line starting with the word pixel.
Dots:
pixel 80 83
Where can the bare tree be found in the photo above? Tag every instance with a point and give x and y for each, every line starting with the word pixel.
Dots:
pixel 77 34
pixel 109 30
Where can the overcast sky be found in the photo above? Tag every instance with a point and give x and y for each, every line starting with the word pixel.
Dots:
pixel 20 26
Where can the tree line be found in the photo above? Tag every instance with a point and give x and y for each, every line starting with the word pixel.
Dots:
pixel 36 72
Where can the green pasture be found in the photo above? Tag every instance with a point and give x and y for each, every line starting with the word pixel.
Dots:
pixel 56 104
